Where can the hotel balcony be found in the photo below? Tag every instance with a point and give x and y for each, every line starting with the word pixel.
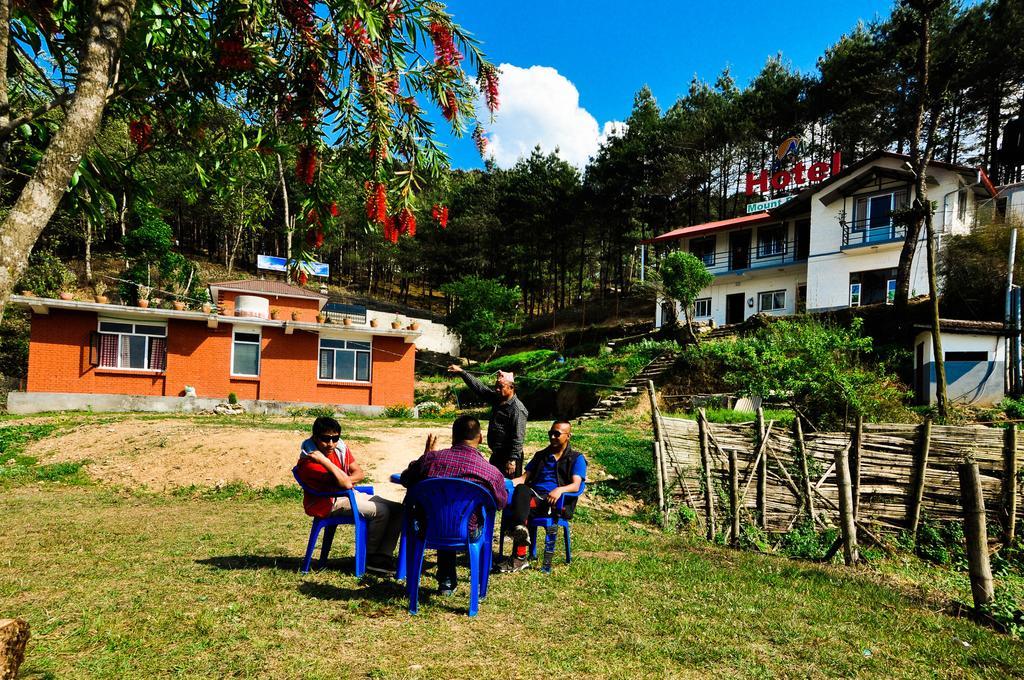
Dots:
pixel 872 232
pixel 744 257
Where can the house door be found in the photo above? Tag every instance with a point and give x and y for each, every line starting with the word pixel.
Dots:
pixel 803 239
pixel 739 250
pixel 880 220
pixel 921 384
pixel 734 308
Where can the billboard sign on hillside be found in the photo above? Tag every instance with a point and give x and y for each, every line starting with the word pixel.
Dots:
pixel 280 264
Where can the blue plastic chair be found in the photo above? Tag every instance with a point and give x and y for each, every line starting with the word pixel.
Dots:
pixel 554 519
pixel 437 513
pixel 329 524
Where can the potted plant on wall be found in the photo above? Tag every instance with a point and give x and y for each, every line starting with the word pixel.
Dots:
pixel 396 324
pixel 143 294
pixel 295 315
pixel 274 313
pixel 374 323
pixel 320 318
pixel 100 290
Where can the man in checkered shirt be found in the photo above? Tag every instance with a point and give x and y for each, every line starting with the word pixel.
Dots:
pixel 463 461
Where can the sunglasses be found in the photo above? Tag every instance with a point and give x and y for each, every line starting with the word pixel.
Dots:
pixel 329 438
pixel 556 433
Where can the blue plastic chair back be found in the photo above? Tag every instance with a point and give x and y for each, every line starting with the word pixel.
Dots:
pixel 437 515
pixel 440 509
pixel 556 520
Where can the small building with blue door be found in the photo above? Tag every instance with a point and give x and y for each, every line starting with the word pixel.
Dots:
pixel 975 354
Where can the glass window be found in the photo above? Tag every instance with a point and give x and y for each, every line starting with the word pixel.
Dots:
pixel 890 291
pixel 855 295
pixel 771 241
pixel 124 344
pixel 771 301
pixel 344 360
pixel 702 307
pixel 704 249
pixel 245 354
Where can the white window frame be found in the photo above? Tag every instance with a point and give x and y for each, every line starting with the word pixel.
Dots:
pixel 355 363
pixel 706 301
pixel 120 338
pixel 860 221
pixel 248 330
pixel 855 294
pixel 890 291
pixel 772 293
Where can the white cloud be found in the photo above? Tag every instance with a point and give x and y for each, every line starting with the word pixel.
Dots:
pixel 539 106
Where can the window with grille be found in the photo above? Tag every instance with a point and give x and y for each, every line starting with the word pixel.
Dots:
pixel 771 241
pixel 133 346
pixel 344 360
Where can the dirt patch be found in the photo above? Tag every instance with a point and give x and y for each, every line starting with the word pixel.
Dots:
pixel 165 454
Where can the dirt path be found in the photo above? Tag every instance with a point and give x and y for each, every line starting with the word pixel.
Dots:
pixel 164 454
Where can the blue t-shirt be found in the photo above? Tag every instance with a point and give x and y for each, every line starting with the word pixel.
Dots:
pixel 547 477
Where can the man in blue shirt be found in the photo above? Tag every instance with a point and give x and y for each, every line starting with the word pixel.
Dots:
pixel 556 470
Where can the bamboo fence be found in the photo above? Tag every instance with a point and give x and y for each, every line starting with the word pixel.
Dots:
pixel 898 473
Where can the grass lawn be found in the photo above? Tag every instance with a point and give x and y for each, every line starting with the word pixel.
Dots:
pixel 117 583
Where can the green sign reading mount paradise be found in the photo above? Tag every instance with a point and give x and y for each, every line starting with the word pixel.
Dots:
pixel 767 205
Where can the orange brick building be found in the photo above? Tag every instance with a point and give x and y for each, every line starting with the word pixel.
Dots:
pixel 85 348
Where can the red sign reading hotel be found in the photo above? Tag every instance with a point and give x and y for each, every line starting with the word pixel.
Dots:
pixel 797 176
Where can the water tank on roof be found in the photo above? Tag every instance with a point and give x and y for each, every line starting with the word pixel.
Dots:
pixel 252 306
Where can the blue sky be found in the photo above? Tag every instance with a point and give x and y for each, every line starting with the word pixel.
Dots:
pixel 606 50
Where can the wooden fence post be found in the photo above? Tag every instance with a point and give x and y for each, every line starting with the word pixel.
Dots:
pixel 920 474
pixel 977 538
pixel 705 463
pixel 734 497
pixel 762 474
pixel 661 481
pixel 858 454
pixel 1010 485
pixel 808 498
pixel 846 519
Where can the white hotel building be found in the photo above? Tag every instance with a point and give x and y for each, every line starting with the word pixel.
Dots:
pixel 832 245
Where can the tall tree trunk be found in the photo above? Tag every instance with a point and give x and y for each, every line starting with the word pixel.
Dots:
pixel 289 223
pixel 918 161
pixel 941 402
pixel 238 233
pixel 87 234
pixel 38 200
pixel 5 105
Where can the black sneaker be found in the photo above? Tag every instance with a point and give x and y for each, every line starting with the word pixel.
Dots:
pixel 446 589
pixel 514 565
pixel 384 566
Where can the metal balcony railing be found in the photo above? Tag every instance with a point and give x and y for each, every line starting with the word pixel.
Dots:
pixel 869 232
pixel 753 256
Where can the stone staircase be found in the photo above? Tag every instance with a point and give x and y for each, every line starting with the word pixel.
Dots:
pixel 632 389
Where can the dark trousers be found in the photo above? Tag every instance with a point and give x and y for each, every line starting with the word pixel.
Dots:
pixel 446 577
pixel 526 503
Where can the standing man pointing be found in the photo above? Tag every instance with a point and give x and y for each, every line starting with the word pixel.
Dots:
pixel 506 430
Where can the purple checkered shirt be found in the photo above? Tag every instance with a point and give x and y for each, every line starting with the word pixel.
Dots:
pixel 460 461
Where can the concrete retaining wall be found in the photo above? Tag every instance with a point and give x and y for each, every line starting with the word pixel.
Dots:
pixel 38 402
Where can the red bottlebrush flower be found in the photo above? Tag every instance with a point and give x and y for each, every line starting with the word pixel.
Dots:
pixel 408 104
pixel 390 230
pixel 450 106
pixel 377 202
pixel 406 222
pixel 480 140
pixel 232 54
pixel 355 33
pixel 314 237
pixel 440 215
pixel 334 209
pixel 299 13
pixel 303 277
pixel 313 217
pixel 305 164
pixel 139 131
pixel 445 51
pixel 487 81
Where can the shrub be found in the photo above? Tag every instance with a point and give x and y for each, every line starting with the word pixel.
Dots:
pixel 232 398
pixel 397 411
pixel 429 409
pixel 46 275
pixel 483 311
pixel 806 542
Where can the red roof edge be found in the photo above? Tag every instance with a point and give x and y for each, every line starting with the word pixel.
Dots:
pixel 983 176
pixel 708 227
